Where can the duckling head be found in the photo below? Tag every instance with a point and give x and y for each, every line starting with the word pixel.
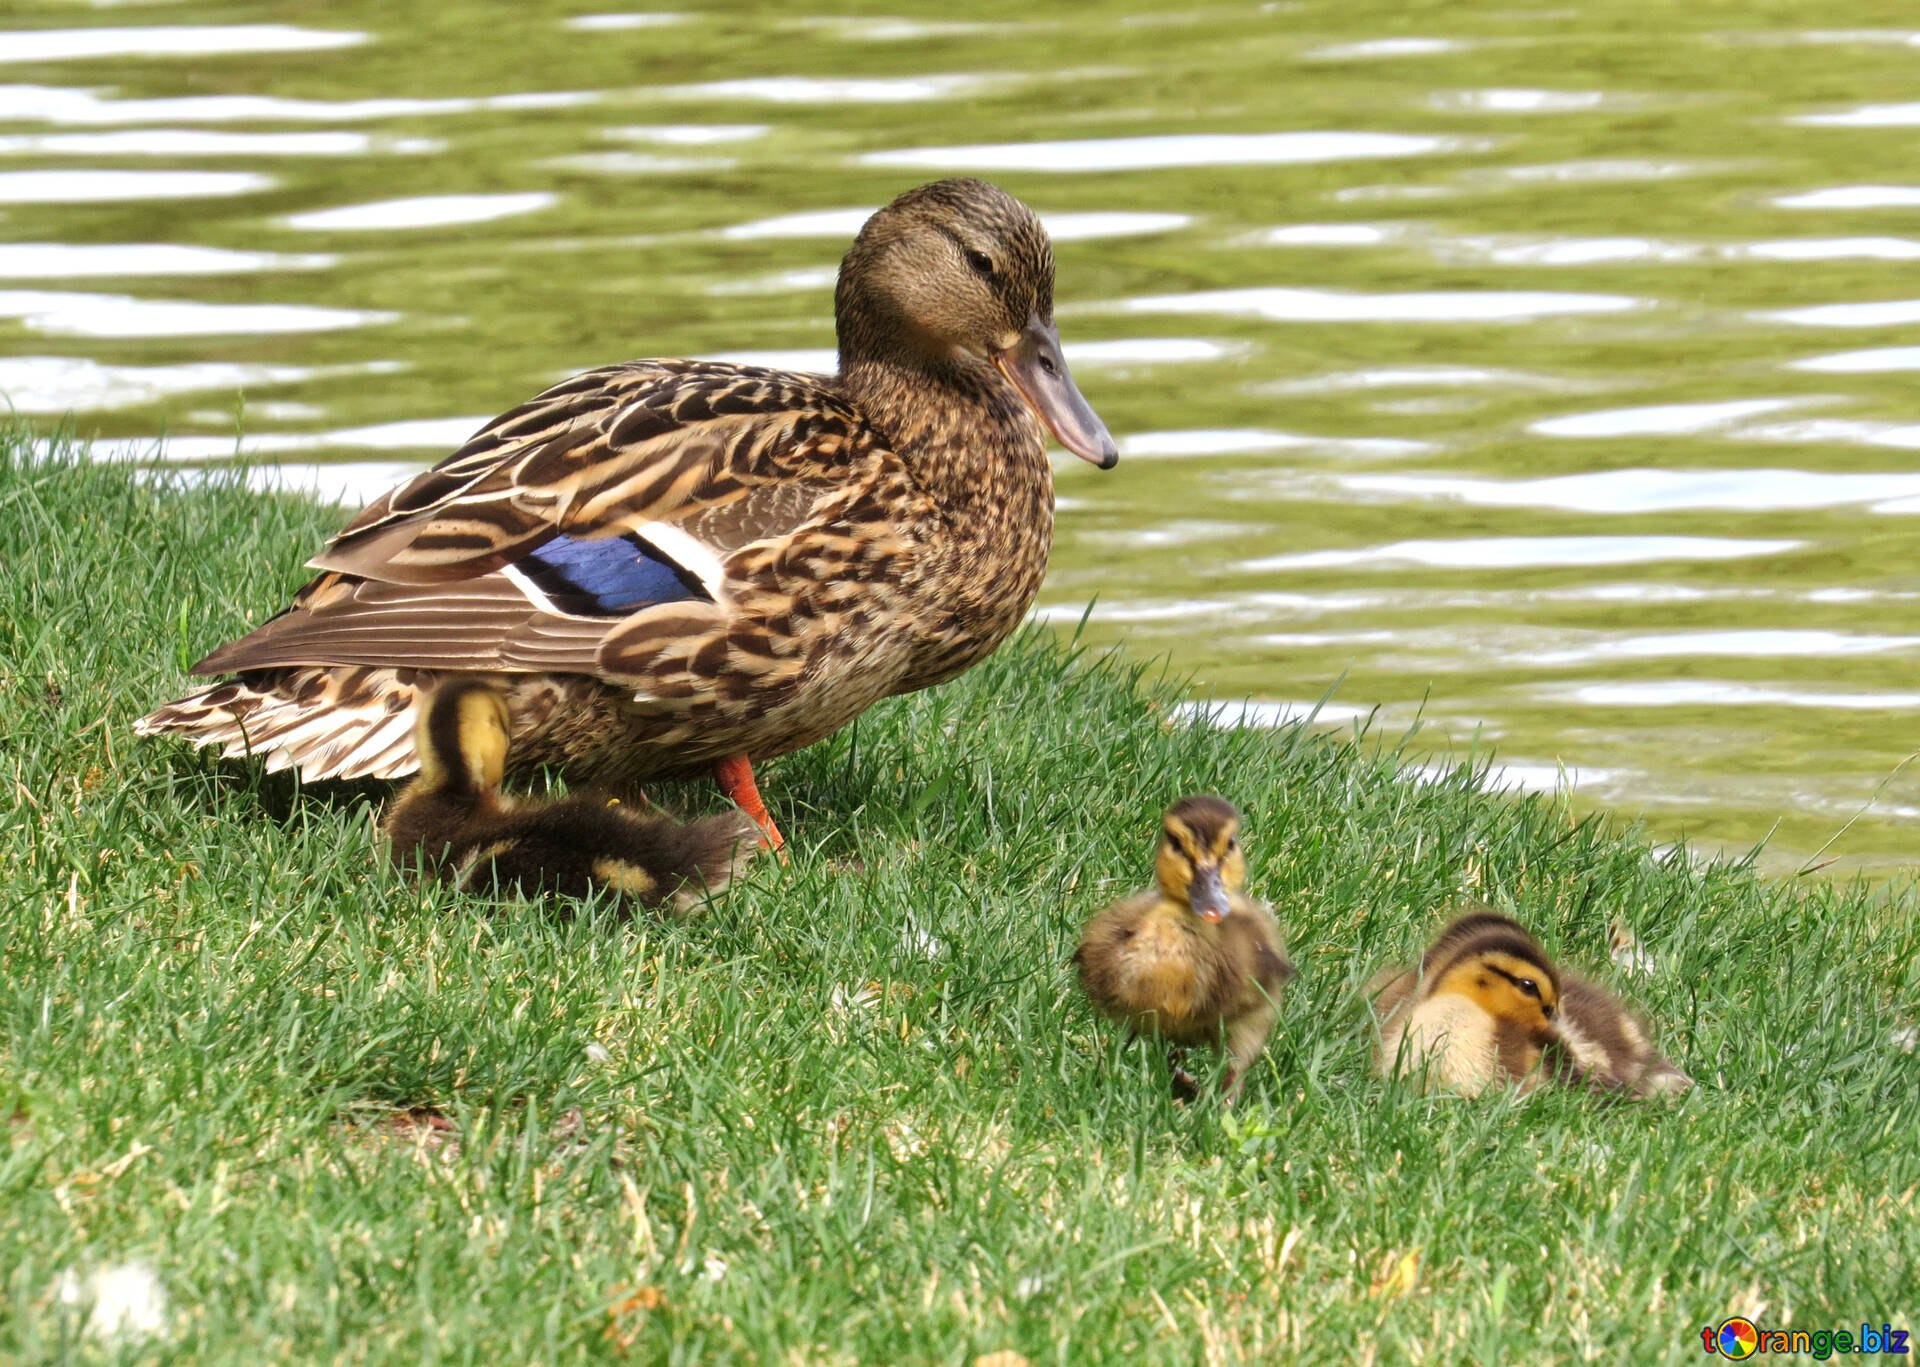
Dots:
pixel 1200 862
pixel 1508 978
pixel 958 275
pixel 462 738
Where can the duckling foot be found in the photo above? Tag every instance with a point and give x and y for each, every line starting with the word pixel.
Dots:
pixel 735 777
pixel 1186 1087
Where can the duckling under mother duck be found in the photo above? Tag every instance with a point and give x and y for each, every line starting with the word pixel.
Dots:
pixel 675 566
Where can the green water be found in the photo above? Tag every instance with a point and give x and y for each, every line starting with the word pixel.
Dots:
pixel 1381 331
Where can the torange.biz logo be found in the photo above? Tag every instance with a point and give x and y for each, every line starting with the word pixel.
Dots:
pixel 1742 1338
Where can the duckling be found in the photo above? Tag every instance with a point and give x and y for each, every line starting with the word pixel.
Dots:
pixel 1610 1045
pixel 1477 1012
pixel 454 821
pixel 1194 956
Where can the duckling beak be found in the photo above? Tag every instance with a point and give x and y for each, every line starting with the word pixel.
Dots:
pixel 1208 895
pixel 1038 370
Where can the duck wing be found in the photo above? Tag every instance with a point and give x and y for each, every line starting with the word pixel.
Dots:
pixel 623 508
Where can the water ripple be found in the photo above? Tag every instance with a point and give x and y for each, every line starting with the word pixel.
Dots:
pixel 1667 419
pixel 688 134
pixel 59 45
pixel 1373 48
pixel 1840 362
pixel 58 384
pixel 1328 235
pixel 1519 552
pixel 1761 644
pixel 77 260
pixel 1409 377
pixel 1651 490
pixel 199 143
pixel 105 187
pixel 426 211
pixel 1435 306
pixel 1853 197
pixel 76 108
pixel 621 23
pixel 1904 115
pixel 809 90
pixel 1522 101
pixel 1168 150
pixel 1253 441
pixel 1881 314
pixel 120 315
pixel 1715 693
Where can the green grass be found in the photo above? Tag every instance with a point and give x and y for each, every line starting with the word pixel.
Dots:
pixel 858 1111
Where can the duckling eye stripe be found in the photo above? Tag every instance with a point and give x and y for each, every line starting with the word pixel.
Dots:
pixel 1511 978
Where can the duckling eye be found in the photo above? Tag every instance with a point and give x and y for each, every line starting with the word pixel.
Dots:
pixel 1530 987
pixel 981 262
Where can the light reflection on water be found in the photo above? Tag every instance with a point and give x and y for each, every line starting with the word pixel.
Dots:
pixel 1439 360
pixel 96 187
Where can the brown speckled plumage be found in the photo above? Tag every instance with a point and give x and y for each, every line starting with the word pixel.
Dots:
pixel 838 539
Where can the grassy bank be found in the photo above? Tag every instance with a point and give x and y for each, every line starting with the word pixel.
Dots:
pixel 857 1111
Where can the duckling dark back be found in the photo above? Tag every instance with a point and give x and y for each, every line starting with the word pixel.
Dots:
pixel 454 822
pixel 588 843
pixel 1609 1045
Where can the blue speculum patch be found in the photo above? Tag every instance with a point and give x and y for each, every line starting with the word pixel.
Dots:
pixel 608 576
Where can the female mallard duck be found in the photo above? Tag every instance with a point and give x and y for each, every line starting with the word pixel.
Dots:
pixel 453 822
pixel 1194 956
pixel 1486 1007
pixel 675 566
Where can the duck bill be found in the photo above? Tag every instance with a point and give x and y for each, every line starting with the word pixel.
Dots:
pixel 1039 371
pixel 1208 896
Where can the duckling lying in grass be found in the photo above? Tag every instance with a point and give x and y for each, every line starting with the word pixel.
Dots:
pixel 1477 1011
pixel 1195 956
pixel 1485 1007
pixel 456 824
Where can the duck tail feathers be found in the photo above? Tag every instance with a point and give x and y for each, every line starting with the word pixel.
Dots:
pixel 326 723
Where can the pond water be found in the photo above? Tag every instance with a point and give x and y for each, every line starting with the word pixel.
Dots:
pixel 1544 374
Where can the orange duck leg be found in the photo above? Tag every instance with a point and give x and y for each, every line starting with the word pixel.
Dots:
pixel 735 777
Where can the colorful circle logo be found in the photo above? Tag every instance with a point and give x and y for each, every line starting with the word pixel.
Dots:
pixel 1738 1338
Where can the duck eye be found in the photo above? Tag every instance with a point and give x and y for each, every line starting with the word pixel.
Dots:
pixel 981 262
pixel 1530 987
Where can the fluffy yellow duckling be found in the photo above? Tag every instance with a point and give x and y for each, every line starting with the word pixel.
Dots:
pixel 455 823
pixel 1477 1012
pixel 1486 1007
pixel 1195 956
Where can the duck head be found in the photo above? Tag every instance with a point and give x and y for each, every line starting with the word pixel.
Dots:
pixel 959 274
pixel 1200 861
